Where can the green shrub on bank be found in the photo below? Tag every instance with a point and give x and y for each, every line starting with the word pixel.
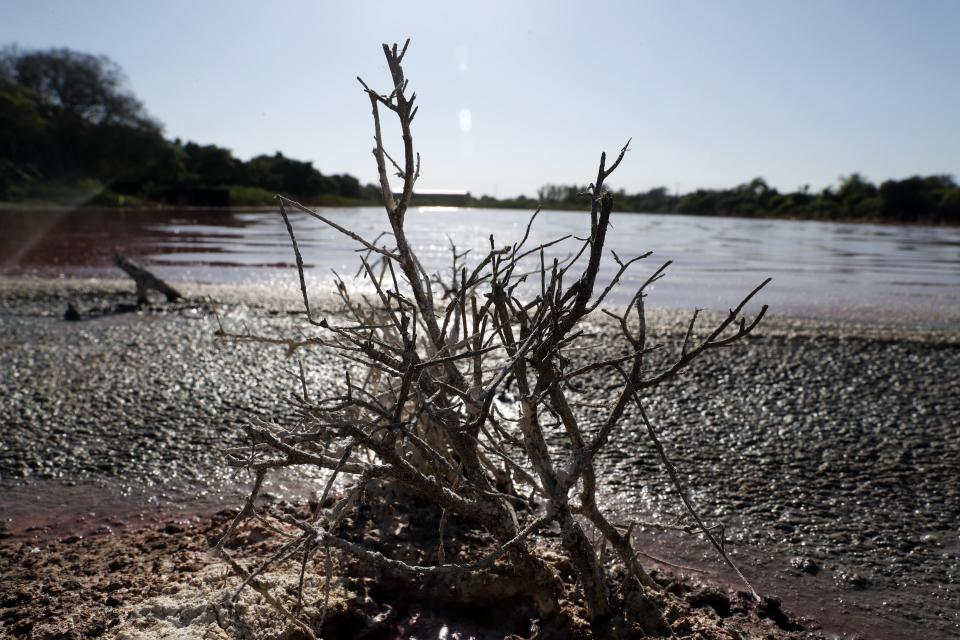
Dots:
pixel 241 196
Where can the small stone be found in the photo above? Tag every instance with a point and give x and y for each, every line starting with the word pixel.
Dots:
pixel 850 579
pixel 806 565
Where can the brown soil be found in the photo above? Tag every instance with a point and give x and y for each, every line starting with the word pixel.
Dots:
pixel 79 587
pixel 163 582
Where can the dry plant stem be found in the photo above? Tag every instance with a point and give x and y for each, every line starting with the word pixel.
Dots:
pixel 264 591
pixel 588 500
pixel 682 489
pixel 245 511
pixel 333 225
pixel 307 550
pixel 451 388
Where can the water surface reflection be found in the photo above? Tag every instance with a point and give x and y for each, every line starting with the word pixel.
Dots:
pixel 823 269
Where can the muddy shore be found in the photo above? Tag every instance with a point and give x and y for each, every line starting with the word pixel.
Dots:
pixel 827 449
pixel 164 583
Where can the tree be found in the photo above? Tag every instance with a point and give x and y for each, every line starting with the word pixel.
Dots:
pixel 906 199
pixel 25 138
pixel 420 412
pixel 212 165
pixel 69 116
pixel 280 174
pixel 561 194
pixel 656 200
pixel 347 186
pixel 857 196
pixel 78 86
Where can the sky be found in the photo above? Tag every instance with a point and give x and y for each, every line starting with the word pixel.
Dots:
pixel 517 94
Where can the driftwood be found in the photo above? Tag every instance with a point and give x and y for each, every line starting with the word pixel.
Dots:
pixel 145 280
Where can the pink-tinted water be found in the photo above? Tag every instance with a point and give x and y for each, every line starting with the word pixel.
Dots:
pixel 857 272
pixel 819 269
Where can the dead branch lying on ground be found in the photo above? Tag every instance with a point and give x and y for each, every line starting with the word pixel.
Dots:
pixel 145 280
pixel 425 360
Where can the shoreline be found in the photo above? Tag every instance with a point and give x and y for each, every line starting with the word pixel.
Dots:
pixel 9 207
pixel 86 354
pixel 28 295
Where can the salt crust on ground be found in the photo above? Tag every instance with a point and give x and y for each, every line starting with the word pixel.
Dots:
pixel 203 607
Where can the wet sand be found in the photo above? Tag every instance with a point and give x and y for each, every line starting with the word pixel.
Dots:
pixel 828 449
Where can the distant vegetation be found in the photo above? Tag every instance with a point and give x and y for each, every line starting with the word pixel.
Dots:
pixel 928 199
pixel 71 133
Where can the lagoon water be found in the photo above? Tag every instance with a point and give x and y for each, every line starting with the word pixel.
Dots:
pixel 819 269
pixel 836 450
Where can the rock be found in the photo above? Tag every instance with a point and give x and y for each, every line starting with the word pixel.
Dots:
pixel 849 580
pixel 806 565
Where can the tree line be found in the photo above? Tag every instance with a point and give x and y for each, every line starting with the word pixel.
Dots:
pixel 73 133
pixel 919 198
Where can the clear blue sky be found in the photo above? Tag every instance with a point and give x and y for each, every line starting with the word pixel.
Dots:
pixel 713 93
